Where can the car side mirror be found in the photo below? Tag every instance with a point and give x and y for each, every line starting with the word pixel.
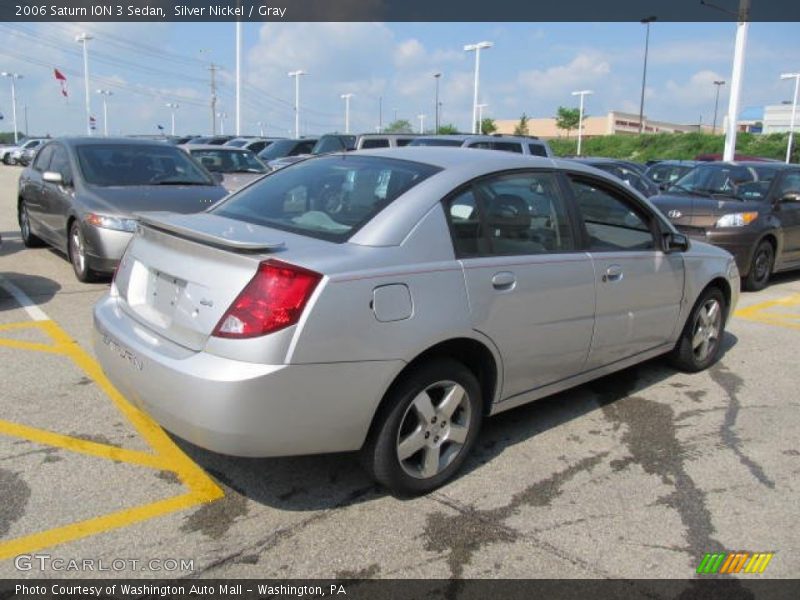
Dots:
pixel 792 197
pixel 53 177
pixel 675 242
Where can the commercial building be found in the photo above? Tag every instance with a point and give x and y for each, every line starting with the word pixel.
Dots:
pixel 615 122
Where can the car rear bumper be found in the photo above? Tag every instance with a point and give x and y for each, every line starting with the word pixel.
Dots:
pixel 239 408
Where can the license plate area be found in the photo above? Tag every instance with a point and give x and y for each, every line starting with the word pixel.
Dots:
pixel 164 292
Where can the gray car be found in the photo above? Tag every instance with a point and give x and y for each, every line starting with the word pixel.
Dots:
pixel 519 144
pixel 80 196
pixel 387 300
pixel 236 166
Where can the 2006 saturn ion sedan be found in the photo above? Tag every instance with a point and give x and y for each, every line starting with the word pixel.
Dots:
pixel 388 300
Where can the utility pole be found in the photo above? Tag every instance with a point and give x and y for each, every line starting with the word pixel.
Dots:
pixel 796 77
pixel 83 39
pixel 421 123
pixel 260 128
pixel 173 106
pixel 222 116
pixel 736 79
pixel 297 74
pixel 719 84
pixel 14 77
pixel 346 98
pixel 437 76
pixel 105 94
pixel 646 21
pixel 238 77
pixel 380 114
pixel 213 69
pixel 27 131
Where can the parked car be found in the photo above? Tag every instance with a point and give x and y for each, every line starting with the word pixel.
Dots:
pixel 509 143
pixel 736 157
pixel 237 167
pixel 11 154
pixel 326 144
pixel 387 300
pixel 752 210
pixel 284 148
pixel 665 172
pixel 80 196
pixel 213 140
pixel 624 171
pixel 254 144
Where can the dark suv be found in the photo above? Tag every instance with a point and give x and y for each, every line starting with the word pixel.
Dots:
pixel 751 209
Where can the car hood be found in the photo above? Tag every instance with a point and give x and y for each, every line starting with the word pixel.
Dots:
pixel 171 198
pixel 700 211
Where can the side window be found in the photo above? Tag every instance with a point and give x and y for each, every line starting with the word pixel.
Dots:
pixel 517 214
pixel 60 164
pixel 612 222
pixel 507 147
pixel 481 145
pixel 537 149
pixel 374 143
pixel 42 161
pixel 790 183
pixel 403 142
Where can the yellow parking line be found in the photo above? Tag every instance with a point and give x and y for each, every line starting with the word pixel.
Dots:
pixel 167 455
pixel 81 446
pixel 759 313
pixel 74 531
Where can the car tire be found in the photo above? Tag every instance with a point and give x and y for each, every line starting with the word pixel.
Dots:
pixel 76 252
pixel 23 218
pixel 6 160
pixel 760 267
pixel 418 440
pixel 700 344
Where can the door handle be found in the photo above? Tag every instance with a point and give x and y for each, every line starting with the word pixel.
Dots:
pixel 613 273
pixel 504 280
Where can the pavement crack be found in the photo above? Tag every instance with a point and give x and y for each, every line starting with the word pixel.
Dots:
pixel 731 384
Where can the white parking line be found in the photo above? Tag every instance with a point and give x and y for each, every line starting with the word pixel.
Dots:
pixel 34 312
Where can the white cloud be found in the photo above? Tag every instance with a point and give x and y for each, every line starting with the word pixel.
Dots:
pixel 558 81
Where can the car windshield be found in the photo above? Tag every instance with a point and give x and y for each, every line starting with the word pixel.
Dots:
pixel 667 173
pixel 334 143
pixel 139 164
pixel 328 198
pixel 229 161
pixel 735 181
pixel 435 142
pixel 277 149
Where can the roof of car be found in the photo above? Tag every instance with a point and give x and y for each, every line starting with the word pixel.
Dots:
pixel 214 147
pixel 462 137
pixel 105 141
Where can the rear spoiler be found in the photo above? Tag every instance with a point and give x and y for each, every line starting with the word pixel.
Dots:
pixel 170 223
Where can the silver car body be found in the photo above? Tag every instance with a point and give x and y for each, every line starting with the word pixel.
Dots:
pixel 393 291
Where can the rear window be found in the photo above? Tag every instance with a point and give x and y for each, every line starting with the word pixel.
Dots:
pixel 537 149
pixel 328 198
pixel 435 142
pixel 374 143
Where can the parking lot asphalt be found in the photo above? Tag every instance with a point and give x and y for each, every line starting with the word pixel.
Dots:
pixel 635 475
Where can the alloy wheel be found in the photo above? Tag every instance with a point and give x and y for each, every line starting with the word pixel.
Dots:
pixel 706 331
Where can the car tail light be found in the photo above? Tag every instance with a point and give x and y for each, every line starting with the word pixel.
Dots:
pixel 274 299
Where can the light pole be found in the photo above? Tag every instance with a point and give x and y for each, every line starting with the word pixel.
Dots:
pixel 260 128
pixel 421 123
pixel 646 21
pixel 222 116
pixel 297 74
pixel 477 49
pixel 238 77
pixel 83 39
pixel 719 84
pixel 173 106
pixel 796 77
pixel 736 79
pixel 437 76
pixel 480 117
pixel 13 77
pixel 581 93
pixel 346 98
pixel 105 94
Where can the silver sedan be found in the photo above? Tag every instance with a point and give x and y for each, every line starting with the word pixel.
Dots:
pixel 386 301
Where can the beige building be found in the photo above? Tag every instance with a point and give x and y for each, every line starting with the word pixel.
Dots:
pixel 614 122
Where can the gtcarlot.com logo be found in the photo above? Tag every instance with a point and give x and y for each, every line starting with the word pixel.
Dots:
pixel 724 563
pixel 47 562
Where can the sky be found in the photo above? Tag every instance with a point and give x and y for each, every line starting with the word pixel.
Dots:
pixel 532 68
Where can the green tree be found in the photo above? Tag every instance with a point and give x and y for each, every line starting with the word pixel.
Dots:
pixel 399 126
pixel 568 118
pixel 448 129
pixel 522 126
pixel 488 126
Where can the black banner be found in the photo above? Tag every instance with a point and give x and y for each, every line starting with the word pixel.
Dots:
pixel 713 588
pixel 397 10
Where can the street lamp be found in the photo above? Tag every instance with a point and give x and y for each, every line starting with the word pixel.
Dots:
pixel 83 39
pixel 173 106
pixel 477 49
pixel 13 77
pixel 105 94
pixel 581 93
pixel 480 116
pixel 645 21
pixel 796 77
pixel 719 84
pixel 437 76
pixel 421 123
pixel 297 74
pixel 222 116
pixel 346 98
pixel 260 128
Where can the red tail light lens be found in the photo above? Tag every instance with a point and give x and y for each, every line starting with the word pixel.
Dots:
pixel 273 300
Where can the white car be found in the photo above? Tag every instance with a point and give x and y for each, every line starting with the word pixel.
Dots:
pixel 10 154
